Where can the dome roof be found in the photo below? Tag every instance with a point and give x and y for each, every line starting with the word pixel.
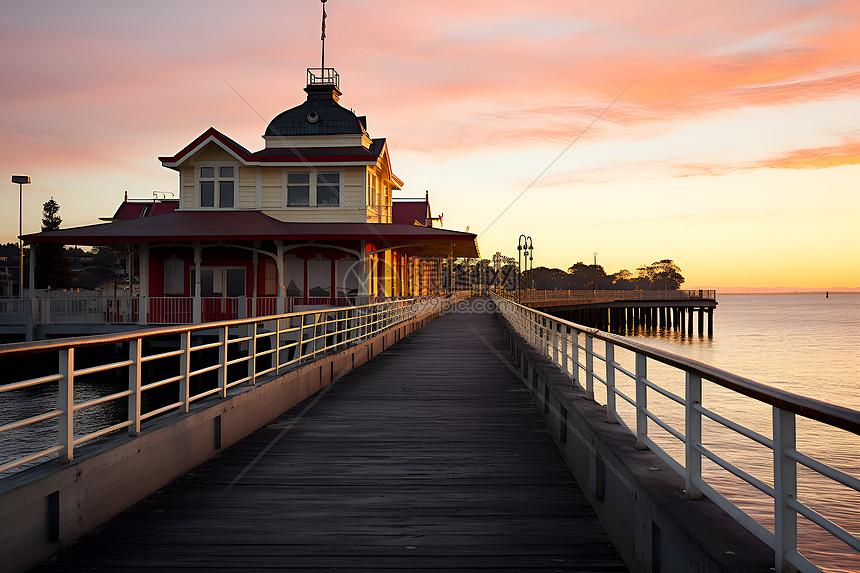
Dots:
pixel 319 115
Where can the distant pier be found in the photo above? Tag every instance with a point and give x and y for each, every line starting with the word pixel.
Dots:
pixel 618 311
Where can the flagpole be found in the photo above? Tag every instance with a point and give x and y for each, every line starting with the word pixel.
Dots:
pixel 322 38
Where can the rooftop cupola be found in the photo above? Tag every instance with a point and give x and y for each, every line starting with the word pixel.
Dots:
pixel 319 115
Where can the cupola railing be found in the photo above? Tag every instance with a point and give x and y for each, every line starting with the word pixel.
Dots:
pixel 323 77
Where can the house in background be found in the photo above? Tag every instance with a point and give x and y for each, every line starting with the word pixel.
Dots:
pixel 307 221
pixel 9 270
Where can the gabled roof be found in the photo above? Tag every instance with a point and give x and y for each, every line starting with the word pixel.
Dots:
pixel 290 155
pixel 254 225
pixel 211 135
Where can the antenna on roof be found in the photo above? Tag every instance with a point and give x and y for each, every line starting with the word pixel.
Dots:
pixel 322 36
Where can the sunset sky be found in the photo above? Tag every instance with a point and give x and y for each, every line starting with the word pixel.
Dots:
pixel 734 151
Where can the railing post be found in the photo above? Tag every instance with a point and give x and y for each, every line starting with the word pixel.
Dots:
pixel 142 315
pixel 252 352
pixel 574 355
pixel 196 310
pixel 301 338
pixel 555 328
pixel 565 346
pixel 609 353
pixel 67 400
pixel 589 367
pixel 185 371
pixel 641 401
pixel 135 352
pixel 223 336
pixel 693 434
pixel 785 488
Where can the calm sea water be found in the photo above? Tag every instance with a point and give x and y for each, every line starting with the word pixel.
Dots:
pixel 806 344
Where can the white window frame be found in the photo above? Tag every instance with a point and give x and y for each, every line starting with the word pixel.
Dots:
pixel 222 271
pixel 339 173
pixel 216 179
pixel 287 188
pixel 313 180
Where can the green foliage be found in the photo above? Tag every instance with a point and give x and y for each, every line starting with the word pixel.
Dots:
pixel 52 267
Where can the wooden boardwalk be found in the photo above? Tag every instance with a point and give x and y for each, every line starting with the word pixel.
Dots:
pixel 430 457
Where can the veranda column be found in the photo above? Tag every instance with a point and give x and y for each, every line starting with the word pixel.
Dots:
pixel 255 261
pixel 282 288
pixel 31 316
pixel 143 281
pixel 451 269
pixel 196 304
pixel 363 279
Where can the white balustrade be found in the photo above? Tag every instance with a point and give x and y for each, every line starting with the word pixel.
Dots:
pixel 786 407
pixel 201 361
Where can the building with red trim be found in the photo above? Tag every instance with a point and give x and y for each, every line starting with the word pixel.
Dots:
pixel 309 220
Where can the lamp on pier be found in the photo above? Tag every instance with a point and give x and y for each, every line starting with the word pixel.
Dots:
pixel 524 247
pixel 531 258
pixel 21 180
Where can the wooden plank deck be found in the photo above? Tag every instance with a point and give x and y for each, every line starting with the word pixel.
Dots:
pixel 429 457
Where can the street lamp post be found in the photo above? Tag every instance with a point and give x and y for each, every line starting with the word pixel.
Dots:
pixel 21 180
pixel 595 274
pixel 520 242
pixel 524 243
pixel 531 259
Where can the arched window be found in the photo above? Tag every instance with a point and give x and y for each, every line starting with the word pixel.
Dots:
pixel 294 276
pixel 319 278
pixel 348 272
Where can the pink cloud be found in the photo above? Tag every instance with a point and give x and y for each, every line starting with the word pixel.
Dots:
pixel 96 83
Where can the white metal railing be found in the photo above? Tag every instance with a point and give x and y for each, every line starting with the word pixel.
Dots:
pixel 14 310
pixel 572 347
pixel 198 361
pixel 87 308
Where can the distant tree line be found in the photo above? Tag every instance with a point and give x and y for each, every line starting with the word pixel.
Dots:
pixel 659 275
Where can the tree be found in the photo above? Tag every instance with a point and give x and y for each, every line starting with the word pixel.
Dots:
pixel 581 276
pixel 543 278
pixel 588 277
pixel 52 267
pixel 660 275
pixel 622 280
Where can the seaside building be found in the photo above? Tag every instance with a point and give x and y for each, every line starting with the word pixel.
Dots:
pixel 309 220
pixel 9 270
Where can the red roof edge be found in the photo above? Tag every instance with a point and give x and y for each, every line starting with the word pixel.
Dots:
pixel 215 134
